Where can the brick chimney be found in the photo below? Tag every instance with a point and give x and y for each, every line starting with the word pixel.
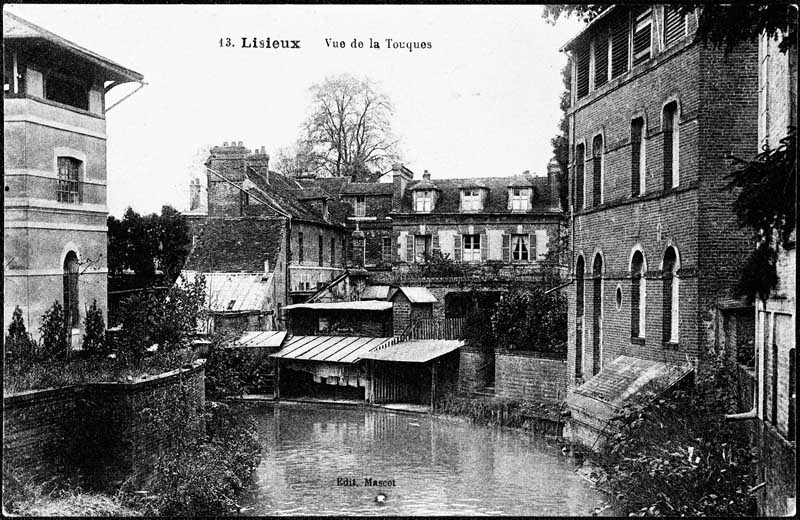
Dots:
pixel 426 175
pixel 400 178
pixel 553 171
pixel 194 194
pixel 258 162
pixel 229 161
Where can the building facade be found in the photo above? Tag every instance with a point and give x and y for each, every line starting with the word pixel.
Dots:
pixel 655 118
pixel 55 211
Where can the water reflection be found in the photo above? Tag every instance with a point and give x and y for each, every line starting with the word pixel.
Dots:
pixel 438 466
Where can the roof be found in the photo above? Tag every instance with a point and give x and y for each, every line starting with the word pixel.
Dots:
pixel 230 245
pixel 449 200
pixel 416 294
pixel 234 292
pixel 367 188
pixel 332 349
pixel 620 382
pixel 15 27
pixel 262 338
pixel 520 181
pixel 583 31
pixel 473 183
pixel 424 184
pixel 375 292
pixel 343 306
pixel 415 351
pixel 309 193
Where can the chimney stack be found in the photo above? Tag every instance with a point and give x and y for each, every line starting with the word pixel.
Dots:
pixel 400 178
pixel 194 194
pixel 553 171
pixel 426 175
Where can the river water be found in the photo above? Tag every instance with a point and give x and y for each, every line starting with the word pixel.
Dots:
pixel 429 465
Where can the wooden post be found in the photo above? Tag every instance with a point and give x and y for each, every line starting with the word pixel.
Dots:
pixel 433 386
pixel 277 390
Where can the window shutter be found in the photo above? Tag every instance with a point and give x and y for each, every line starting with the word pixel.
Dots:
pixel 674 25
pixel 410 248
pixel 506 248
pixel 484 247
pixel 510 196
pixel 532 248
pixel 435 242
pixel 619 48
pixel 457 248
pixel 601 60
pixel 583 70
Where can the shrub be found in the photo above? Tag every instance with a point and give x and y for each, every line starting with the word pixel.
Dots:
pixel 478 331
pixel 531 320
pixel 678 455
pixel 94 337
pixel 54 333
pixel 19 343
pixel 232 372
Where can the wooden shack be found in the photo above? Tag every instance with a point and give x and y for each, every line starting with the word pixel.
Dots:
pixel 358 318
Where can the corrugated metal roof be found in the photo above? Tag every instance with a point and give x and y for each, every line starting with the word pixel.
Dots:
pixel 415 351
pixel 418 294
pixel 343 306
pixel 262 338
pixel 375 292
pixel 332 349
pixel 230 292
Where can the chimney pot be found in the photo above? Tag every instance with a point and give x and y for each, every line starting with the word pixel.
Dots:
pixel 263 150
pixel 241 143
pixel 225 144
pixel 426 175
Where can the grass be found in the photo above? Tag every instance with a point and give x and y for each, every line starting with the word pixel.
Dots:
pixel 31 374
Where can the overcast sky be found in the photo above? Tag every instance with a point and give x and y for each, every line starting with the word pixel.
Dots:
pixel 483 101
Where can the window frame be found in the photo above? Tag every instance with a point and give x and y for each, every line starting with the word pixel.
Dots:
pixel 68 187
pixel 642 20
pixel 360 206
pixel 524 240
pixel 423 198
pixel 474 199
pixel 474 252
pixel 523 200
pixel 639 165
pixel 386 249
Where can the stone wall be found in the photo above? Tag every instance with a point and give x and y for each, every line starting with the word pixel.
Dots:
pixel 471 369
pixel 100 430
pixel 530 376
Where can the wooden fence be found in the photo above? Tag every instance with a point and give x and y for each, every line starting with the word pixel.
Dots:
pixel 448 328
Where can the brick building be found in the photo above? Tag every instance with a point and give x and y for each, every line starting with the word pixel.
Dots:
pixel 55 211
pixel 655 117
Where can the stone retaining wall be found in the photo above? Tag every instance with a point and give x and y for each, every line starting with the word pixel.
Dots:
pixel 530 376
pixel 99 430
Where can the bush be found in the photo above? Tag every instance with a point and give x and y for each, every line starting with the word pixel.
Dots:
pixel 232 372
pixel 54 333
pixel 478 331
pixel 531 320
pixel 678 455
pixel 94 337
pixel 18 344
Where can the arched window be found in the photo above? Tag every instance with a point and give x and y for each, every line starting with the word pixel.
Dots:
pixel 72 318
pixel 580 268
pixel 638 295
pixel 671 145
pixel 597 313
pixel 670 296
pixel 580 152
pixel 597 169
pixel 638 157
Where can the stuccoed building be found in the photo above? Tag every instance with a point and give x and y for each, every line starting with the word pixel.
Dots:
pixel 55 173
pixel 655 117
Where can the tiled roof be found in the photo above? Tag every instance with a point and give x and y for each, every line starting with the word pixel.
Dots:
pixel 449 199
pixel 237 245
pixel 424 184
pixel 367 188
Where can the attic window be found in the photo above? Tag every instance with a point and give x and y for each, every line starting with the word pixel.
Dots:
pixel 66 90
pixel 471 200
pixel 520 199
pixel 423 201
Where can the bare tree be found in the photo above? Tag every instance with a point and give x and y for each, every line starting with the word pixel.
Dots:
pixel 349 130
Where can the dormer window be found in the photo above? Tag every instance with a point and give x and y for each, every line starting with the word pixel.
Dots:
pixel 520 199
pixel 471 200
pixel 423 201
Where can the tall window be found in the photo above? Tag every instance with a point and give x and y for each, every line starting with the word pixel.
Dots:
pixel 319 250
pixel 580 268
pixel 638 296
pixel 642 36
pixel 72 317
pixel 520 248
pixel 387 249
pixel 671 146
pixel 670 296
pixel 580 153
pixel 422 248
pixel 597 313
pixel 520 199
pixel 361 206
pixel 68 189
pixel 597 170
pixel 674 25
pixel 300 251
pixel 472 248
pixel 423 201
pixel 470 200
pixel 638 161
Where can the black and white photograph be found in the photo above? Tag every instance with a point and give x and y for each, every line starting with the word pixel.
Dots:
pixel 399 260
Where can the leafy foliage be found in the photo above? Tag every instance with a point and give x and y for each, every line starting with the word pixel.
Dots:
pixel 348 132
pixel 678 455
pixel 531 320
pixel 478 331
pixel 767 203
pixel 436 264
pixel 18 343
pixel 560 142
pixel 54 333
pixel 94 337
pixel 232 372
